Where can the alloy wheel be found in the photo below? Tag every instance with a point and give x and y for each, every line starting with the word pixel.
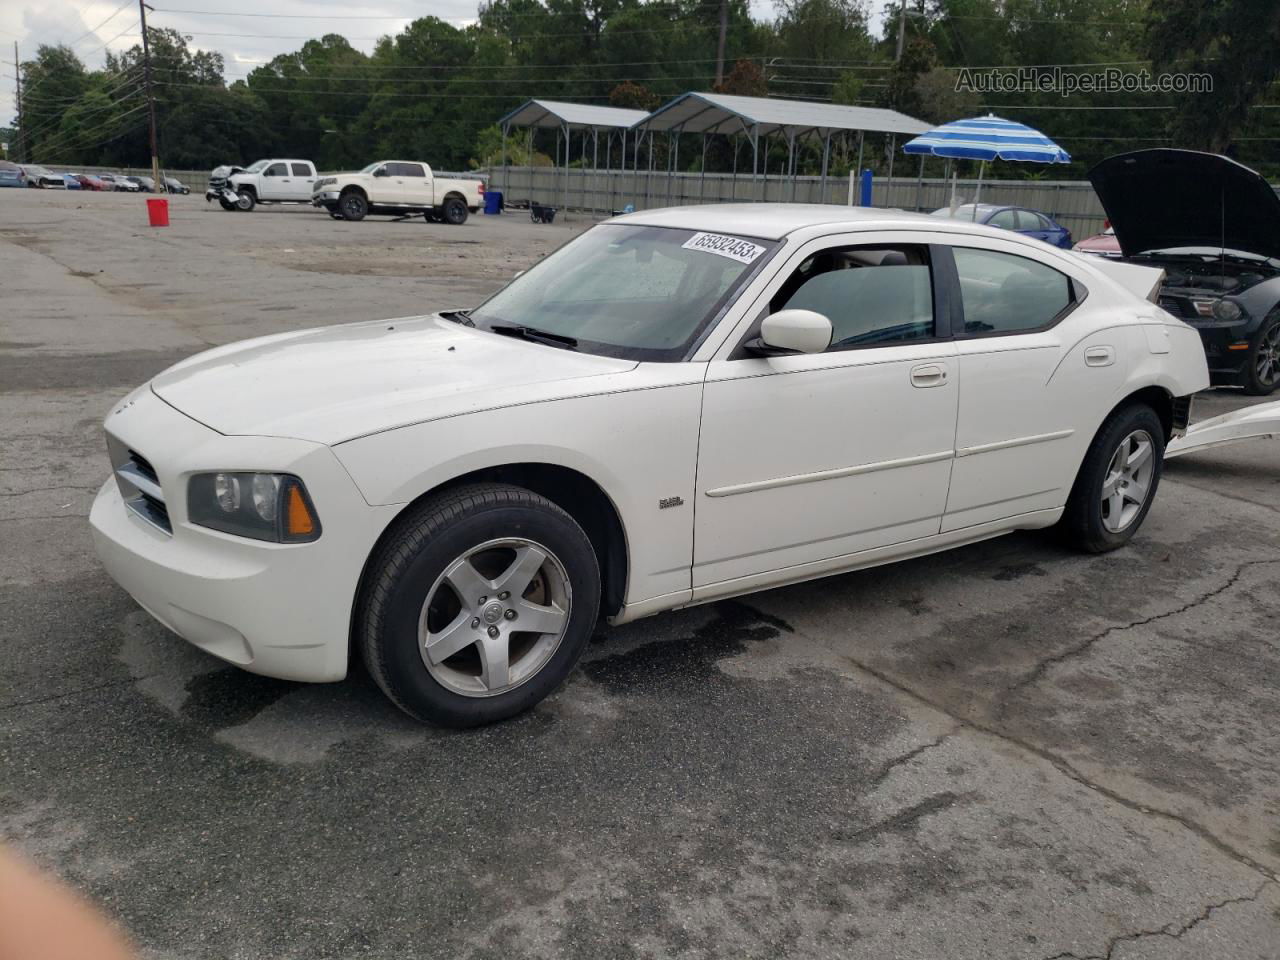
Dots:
pixel 494 617
pixel 1268 358
pixel 1127 483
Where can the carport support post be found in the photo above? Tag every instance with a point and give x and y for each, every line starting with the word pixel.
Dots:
pixel 755 157
pixel 826 159
pixel 595 167
pixel 733 189
pixel 920 185
pixel 791 163
pixel 861 137
pixel 702 172
pixel 506 129
pixel 564 189
pixel 893 148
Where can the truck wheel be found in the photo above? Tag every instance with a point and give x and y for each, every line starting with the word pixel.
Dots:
pixel 226 204
pixel 246 201
pixel 454 211
pixel 478 605
pixel 352 206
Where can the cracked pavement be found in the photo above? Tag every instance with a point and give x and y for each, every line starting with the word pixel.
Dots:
pixel 1007 750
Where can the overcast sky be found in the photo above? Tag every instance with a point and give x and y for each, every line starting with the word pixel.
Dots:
pixel 91 27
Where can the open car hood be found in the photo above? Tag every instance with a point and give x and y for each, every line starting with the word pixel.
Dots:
pixel 1157 199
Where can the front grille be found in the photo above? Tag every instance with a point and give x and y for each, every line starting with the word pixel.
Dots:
pixel 139 485
pixel 1179 307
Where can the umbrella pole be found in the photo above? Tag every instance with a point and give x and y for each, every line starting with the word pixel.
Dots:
pixel 978 192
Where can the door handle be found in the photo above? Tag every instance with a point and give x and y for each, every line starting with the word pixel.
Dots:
pixel 928 375
pixel 1100 356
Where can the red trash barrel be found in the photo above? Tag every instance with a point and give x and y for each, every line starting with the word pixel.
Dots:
pixel 158 211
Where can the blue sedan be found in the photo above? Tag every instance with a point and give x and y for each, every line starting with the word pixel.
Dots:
pixel 1030 223
pixel 71 181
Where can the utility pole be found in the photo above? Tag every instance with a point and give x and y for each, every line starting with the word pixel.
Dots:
pixel 902 29
pixel 724 30
pixel 17 76
pixel 151 100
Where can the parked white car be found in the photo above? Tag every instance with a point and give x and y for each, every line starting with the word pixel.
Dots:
pixel 398 188
pixel 264 181
pixel 675 407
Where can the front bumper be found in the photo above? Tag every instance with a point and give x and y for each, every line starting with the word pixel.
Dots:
pixel 283 610
pixel 324 198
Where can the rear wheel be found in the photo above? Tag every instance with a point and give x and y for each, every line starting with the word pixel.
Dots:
pixel 353 206
pixel 478 605
pixel 1263 374
pixel 1117 481
pixel 246 201
pixel 454 211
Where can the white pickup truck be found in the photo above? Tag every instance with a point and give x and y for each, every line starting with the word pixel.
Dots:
pixel 265 181
pixel 399 188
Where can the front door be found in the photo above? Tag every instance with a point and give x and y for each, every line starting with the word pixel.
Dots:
pixel 274 184
pixel 807 458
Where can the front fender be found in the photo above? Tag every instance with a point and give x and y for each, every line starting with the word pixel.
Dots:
pixel 638 446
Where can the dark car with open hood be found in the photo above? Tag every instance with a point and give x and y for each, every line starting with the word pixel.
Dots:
pixel 1213 225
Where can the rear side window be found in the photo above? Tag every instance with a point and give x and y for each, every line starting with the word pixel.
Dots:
pixel 1005 293
pixel 411 170
pixel 301 170
pixel 1008 219
pixel 871 295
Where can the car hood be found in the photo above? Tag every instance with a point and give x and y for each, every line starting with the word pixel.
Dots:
pixel 338 383
pixel 1163 198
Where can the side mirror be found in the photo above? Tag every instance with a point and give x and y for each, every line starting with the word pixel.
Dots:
pixel 792 331
pixel 380 172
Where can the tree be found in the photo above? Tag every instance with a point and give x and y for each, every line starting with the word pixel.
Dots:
pixel 746 79
pixel 633 96
pixel 939 100
pixel 1235 42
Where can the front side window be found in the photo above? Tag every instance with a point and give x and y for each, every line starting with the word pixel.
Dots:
pixel 277 170
pixel 871 295
pixel 642 293
pixel 1005 293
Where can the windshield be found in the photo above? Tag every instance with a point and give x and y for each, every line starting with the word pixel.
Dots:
pixel 372 167
pixel 256 166
pixel 640 293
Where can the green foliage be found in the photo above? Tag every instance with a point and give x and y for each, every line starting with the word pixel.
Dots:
pixel 434 90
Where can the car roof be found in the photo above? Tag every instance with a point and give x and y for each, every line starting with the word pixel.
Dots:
pixel 773 221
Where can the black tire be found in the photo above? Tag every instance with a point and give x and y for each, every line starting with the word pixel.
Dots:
pixel 226 204
pixel 1084 524
pixel 353 206
pixel 1262 374
pixel 454 211
pixel 431 216
pixel 246 201
pixel 413 558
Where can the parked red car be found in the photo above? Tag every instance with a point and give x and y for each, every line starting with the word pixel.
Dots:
pixel 90 182
pixel 1102 244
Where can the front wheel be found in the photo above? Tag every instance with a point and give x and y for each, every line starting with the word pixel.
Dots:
pixel 478 605
pixel 226 204
pixel 246 201
pixel 1117 481
pixel 353 207
pixel 1263 374
pixel 454 212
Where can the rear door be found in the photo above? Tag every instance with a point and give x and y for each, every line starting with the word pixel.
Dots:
pixel 301 177
pixel 412 183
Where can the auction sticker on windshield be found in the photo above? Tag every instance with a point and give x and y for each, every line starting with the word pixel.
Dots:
pixel 735 248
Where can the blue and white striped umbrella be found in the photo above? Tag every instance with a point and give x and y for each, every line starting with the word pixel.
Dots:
pixel 988 138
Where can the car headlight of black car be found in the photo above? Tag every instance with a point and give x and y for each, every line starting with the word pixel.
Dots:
pixel 1227 311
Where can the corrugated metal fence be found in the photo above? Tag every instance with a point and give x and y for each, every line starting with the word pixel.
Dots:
pixel 1071 202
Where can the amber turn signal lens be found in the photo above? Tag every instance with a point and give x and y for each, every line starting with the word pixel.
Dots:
pixel 298 519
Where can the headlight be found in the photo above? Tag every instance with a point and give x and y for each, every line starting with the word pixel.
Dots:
pixel 264 506
pixel 1228 311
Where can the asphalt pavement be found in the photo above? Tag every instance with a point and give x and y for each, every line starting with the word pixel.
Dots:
pixel 1007 750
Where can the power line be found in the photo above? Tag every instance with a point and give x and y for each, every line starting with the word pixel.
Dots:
pixel 121 9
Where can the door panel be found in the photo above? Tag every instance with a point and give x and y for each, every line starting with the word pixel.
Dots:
pixel 806 458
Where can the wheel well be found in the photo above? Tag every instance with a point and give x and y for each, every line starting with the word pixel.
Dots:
pixel 353 189
pixel 455 195
pixel 247 188
pixel 575 493
pixel 1158 399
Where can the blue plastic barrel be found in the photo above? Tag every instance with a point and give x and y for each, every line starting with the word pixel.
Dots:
pixel 493 201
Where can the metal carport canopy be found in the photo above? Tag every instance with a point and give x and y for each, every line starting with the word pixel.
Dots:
pixel 726 113
pixel 575 116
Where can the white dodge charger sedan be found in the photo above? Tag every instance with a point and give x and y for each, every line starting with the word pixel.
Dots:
pixel 675 407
